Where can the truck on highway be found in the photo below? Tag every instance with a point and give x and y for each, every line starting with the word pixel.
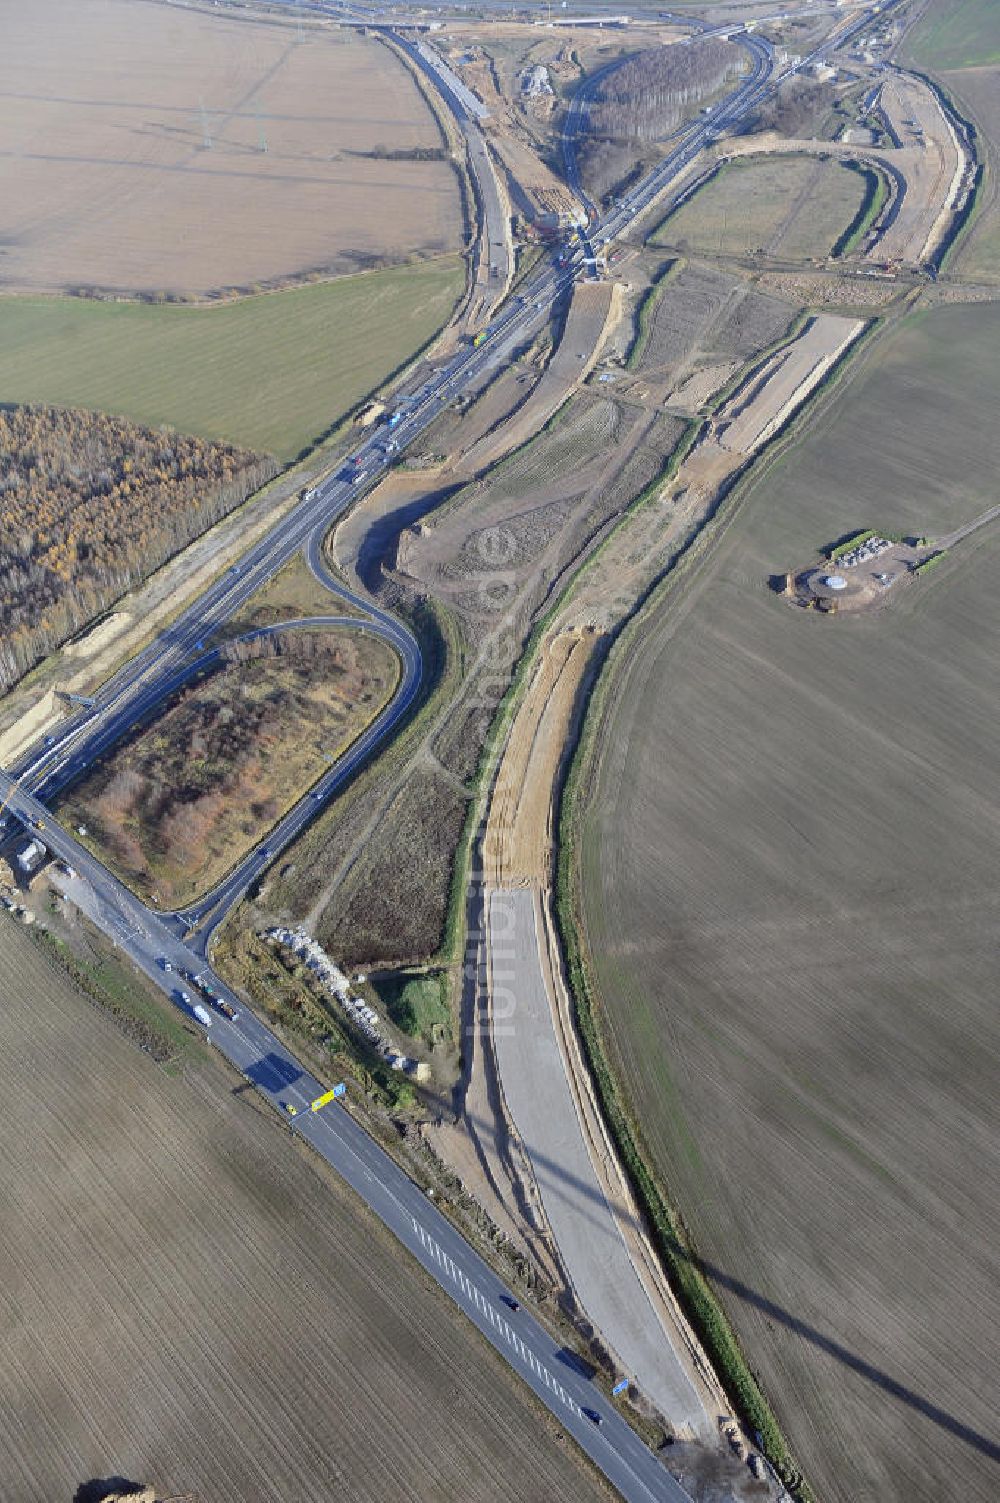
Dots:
pixel 396 417
pixel 480 338
pixel 211 995
pixel 202 1014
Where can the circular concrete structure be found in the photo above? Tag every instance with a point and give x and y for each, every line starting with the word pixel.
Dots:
pixel 835 582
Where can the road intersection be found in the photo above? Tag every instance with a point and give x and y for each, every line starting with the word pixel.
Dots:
pixel 182 941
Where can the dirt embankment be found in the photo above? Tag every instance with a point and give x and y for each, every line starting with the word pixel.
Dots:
pixel 594 310
pixel 519 839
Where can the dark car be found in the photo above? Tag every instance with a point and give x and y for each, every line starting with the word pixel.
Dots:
pixel 593 1416
pixel 510 1302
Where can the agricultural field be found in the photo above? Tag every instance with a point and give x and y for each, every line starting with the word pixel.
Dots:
pixel 957 34
pixel 272 373
pixel 789 891
pixel 193 1302
pixel 976 92
pixel 168 151
pixel 792 207
pixel 175 807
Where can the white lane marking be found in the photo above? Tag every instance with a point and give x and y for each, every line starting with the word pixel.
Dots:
pixel 499 1324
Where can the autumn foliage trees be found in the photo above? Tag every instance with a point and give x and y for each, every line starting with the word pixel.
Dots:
pixel 89 505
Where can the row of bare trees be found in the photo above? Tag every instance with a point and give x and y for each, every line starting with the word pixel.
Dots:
pixel 90 504
pixel 650 94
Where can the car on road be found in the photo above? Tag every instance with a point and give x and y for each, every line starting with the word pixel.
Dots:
pixel 510 1302
pixel 287 1106
pixel 593 1416
pixel 185 998
pixel 165 964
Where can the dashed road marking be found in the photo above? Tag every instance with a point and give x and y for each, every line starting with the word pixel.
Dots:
pixel 496 1320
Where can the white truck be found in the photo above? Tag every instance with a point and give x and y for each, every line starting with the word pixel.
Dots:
pixel 202 1014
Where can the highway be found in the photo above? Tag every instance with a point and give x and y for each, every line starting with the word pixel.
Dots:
pixel 494 250
pixel 181 941
pixel 264 1061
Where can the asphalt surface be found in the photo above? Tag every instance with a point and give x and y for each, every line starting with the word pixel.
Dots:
pixel 494 249
pixel 152 940
pixel 268 1065
pixel 537 1093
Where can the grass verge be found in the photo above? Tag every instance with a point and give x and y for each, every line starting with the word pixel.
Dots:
pixel 645 313
pixel 416 1003
pixel 154 1025
pixel 874 201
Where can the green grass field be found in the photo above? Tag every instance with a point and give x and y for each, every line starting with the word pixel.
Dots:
pixel 789 206
pixel 790 892
pixel 272 372
pixel 958 34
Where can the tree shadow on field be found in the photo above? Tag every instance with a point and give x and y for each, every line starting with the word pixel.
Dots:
pixel 778 1315
pixel 100 1488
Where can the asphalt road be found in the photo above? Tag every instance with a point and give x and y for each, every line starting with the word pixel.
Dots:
pixel 265 1062
pixel 150 939
pixel 494 248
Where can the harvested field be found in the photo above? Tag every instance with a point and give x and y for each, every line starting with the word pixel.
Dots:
pixel 177 1264
pixel 175 807
pixel 790 894
pixel 163 150
pixel 793 207
pixel 274 373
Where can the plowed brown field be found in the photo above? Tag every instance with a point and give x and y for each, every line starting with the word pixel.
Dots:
pixel 151 148
pixel 186 1301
